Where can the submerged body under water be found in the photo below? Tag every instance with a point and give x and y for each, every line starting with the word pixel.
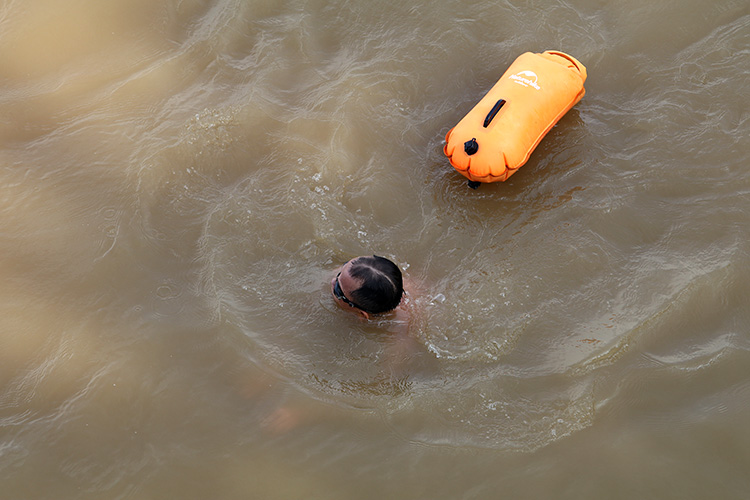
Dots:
pixel 180 181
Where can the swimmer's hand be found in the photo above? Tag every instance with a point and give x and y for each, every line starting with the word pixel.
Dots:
pixel 281 420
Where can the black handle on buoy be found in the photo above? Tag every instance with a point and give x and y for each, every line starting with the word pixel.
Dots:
pixel 474 184
pixel 493 112
pixel 471 147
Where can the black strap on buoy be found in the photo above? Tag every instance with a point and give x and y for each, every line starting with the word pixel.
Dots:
pixel 471 147
pixel 474 184
pixel 493 112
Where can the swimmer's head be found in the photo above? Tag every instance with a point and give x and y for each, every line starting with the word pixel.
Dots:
pixel 369 284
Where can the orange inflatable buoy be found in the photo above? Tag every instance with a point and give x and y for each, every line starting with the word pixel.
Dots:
pixel 499 134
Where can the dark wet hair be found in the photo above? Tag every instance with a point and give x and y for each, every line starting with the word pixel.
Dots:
pixel 381 284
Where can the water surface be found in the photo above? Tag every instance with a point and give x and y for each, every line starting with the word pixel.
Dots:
pixel 181 179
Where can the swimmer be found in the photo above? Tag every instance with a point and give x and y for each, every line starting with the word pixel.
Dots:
pixel 373 288
pixel 368 285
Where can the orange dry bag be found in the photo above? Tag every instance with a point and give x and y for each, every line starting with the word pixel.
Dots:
pixel 497 137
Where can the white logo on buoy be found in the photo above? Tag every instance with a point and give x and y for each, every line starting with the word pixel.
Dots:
pixel 526 78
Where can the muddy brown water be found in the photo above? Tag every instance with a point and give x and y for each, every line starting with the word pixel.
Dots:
pixel 180 179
